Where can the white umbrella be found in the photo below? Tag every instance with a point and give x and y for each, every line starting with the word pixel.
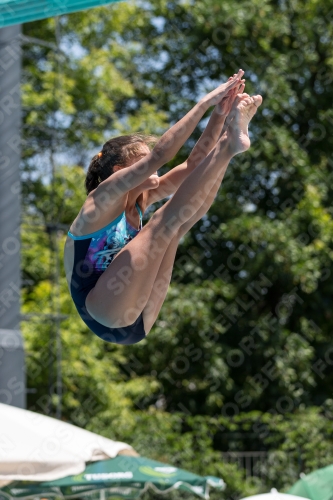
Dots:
pixel 273 495
pixel 34 447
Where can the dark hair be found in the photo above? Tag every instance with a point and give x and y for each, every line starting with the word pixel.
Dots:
pixel 117 151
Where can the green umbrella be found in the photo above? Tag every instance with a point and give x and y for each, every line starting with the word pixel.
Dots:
pixel 317 485
pixel 122 476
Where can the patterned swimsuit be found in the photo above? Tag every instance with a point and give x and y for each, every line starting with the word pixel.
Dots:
pixel 93 253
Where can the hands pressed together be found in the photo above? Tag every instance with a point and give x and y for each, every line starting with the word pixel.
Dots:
pixel 226 90
pixel 224 107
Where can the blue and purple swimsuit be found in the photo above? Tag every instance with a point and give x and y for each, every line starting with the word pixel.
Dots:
pixel 93 253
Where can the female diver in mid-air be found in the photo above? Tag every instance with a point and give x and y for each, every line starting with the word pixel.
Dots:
pixel 118 272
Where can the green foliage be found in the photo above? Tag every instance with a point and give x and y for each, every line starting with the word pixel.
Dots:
pixel 240 358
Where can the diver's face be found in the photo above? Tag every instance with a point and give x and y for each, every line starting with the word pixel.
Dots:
pixel 152 181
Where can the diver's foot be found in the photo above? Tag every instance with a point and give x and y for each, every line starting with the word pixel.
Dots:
pixel 243 110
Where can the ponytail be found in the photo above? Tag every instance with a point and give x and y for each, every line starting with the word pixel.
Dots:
pixel 92 176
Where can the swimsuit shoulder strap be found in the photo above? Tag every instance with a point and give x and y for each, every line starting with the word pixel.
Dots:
pixel 96 233
pixel 140 214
